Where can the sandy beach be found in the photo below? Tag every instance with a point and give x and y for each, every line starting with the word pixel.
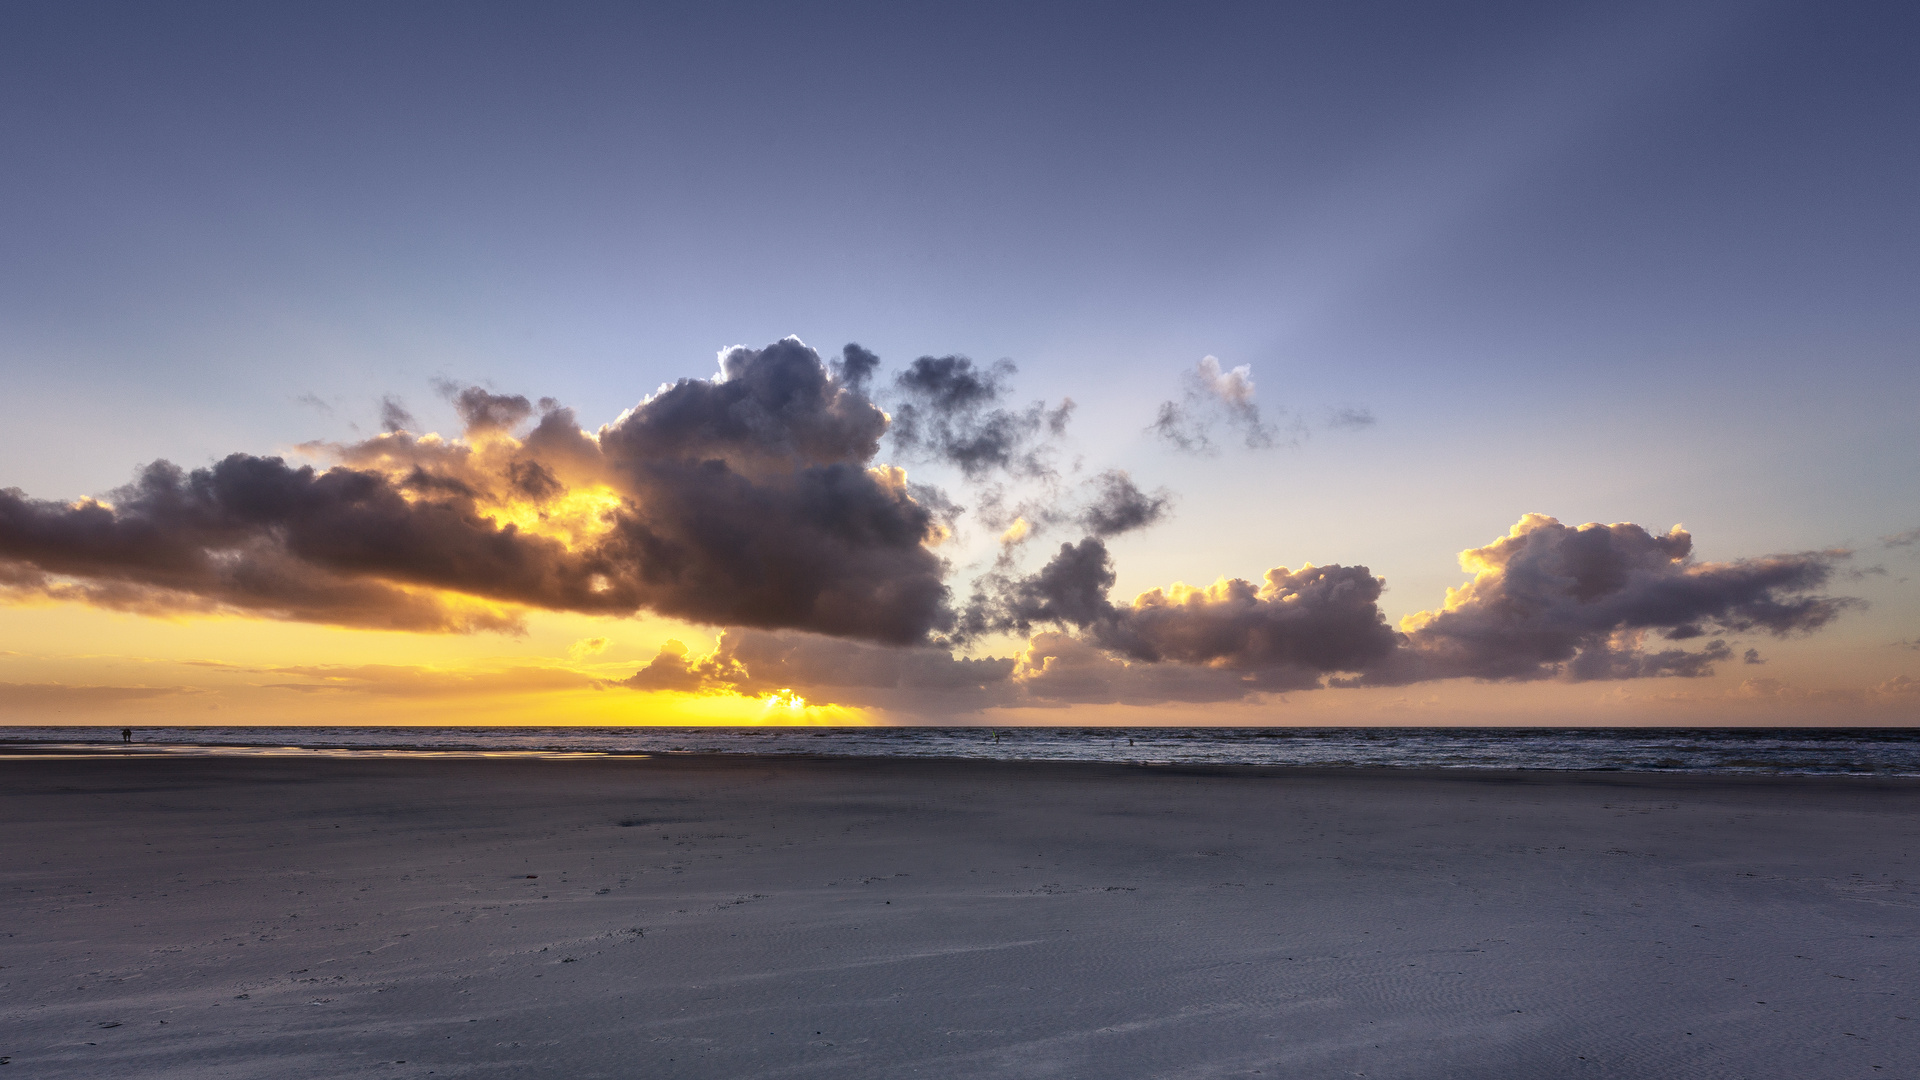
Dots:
pixel 753 917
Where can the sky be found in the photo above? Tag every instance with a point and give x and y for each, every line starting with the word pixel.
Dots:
pixel 1388 363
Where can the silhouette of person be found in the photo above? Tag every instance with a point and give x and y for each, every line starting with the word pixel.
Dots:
pixel 126 734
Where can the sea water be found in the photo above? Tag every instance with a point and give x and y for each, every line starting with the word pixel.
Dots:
pixel 1778 751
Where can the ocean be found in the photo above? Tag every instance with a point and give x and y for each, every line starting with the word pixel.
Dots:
pixel 1762 751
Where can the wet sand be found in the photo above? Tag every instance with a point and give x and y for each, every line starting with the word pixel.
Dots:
pixel 700 917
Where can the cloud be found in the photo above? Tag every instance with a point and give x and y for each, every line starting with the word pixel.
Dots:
pixel 1901 540
pixel 1290 632
pixel 1060 669
pixel 1285 633
pixel 1119 506
pixel 167 546
pixel 1898 688
pixel 1212 397
pixel 586 647
pixel 949 410
pixel 1070 590
pixel 400 680
pixel 772 411
pixel 744 500
pixel 1552 601
pixel 1351 418
pixel 1105 505
pixel 1547 601
pixel 752 505
pixel 40 695
pixel 752 501
pixel 1901 690
pixel 755 663
pixel 856 366
pixel 670 670
pixel 482 410
pixel 1053 669
pixel 394 415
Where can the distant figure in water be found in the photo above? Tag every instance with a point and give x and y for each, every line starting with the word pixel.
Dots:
pixel 126 734
pixel 1129 742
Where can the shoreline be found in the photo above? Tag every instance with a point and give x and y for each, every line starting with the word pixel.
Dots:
pixel 279 751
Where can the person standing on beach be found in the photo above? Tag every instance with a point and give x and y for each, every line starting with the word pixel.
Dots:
pixel 126 734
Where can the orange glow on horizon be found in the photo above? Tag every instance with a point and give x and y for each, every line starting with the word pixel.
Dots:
pixel 90 665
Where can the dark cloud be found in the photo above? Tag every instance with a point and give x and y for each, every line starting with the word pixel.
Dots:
pixel 534 480
pixel 741 501
pixel 1549 600
pixel 394 415
pixel 751 501
pixel 1213 397
pixel 854 370
pixel 830 548
pixel 1119 506
pixel 1070 590
pixel 1289 630
pixel 939 505
pixel 1287 633
pixel 1104 505
pixel 1354 419
pixel 753 505
pixel 258 535
pixel 481 410
pixel 1752 656
pixel 951 385
pixel 1174 424
pixel 772 411
pixel 949 410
